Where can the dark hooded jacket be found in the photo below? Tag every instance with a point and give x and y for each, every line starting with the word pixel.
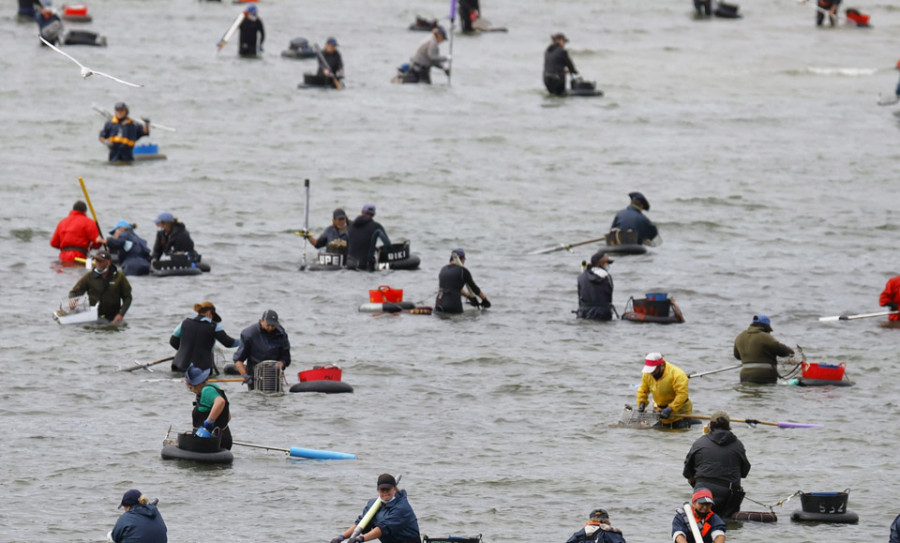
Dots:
pixel 142 524
pixel 632 218
pixel 133 253
pixel 556 60
pixel 194 338
pixel 362 237
pixel 178 240
pixel 595 290
pixel 396 519
pixel 718 455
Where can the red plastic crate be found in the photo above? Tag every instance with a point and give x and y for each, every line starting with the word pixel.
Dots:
pixel 321 373
pixel 825 372
pixel 386 294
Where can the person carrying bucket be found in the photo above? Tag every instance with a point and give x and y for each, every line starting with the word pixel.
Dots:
pixel 393 521
pixel 709 525
pixel 453 280
pixel 718 461
pixel 758 351
pixel 597 530
pixel 669 386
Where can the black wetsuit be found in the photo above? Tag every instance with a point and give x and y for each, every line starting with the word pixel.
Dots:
pixel 466 9
pixel 362 237
pixel 451 280
pixel 249 29
pixel 556 60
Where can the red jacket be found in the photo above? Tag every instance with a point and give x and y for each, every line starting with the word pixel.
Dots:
pixel 891 294
pixel 74 236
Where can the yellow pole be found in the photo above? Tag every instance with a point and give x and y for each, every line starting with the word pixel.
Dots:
pixel 90 205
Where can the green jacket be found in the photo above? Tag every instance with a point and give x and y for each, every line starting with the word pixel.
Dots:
pixel 756 345
pixel 113 292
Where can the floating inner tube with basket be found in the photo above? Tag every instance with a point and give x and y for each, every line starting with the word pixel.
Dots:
pixel 825 507
pixel 197 449
pixel 326 379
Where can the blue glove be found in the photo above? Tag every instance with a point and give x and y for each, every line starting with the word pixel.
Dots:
pixel 665 413
pixel 202 432
pixel 209 425
pixel 642 406
pixel 337 539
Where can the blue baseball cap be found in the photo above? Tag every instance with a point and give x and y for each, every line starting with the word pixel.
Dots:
pixel 458 252
pixel 762 319
pixel 442 32
pixel 331 41
pixel 369 209
pixel 120 224
pixel 251 10
pixel 165 216
pixel 194 375
pixel 132 497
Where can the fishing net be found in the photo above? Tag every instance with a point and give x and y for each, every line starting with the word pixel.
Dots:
pixel 632 418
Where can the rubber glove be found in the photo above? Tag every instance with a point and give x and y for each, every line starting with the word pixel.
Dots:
pixel 642 406
pixel 337 539
pixel 358 539
pixel 209 425
pixel 485 304
pixel 665 413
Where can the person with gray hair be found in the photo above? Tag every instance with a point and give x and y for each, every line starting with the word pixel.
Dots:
pixel 718 461
pixel 140 523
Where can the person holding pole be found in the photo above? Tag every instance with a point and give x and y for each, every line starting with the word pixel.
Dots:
pixel 758 351
pixel 890 296
pixel 393 520
pixel 427 55
pixel 251 27
pixel 76 235
pixel 331 65
pixel 703 525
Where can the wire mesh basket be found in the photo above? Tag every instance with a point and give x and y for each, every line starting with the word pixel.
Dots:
pixel 632 418
pixel 268 377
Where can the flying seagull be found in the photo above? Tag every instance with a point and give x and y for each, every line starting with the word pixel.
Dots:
pixel 85 71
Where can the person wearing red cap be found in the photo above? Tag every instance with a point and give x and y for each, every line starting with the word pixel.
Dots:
pixel 711 525
pixel 394 522
pixel 890 296
pixel 669 386
pixel 75 235
pixel 633 218
pixel 597 530
pixel 105 286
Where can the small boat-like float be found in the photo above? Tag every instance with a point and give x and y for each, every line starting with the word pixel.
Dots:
pixel 77 311
pixel 148 151
pixel 179 264
pixel 393 257
pixel 580 87
pixel 656 307
pixel 187 446
pixel 325 379
pixel 299 48
pixel 825 507
pixel 819 375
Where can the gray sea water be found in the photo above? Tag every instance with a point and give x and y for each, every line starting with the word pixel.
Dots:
pixel 770 169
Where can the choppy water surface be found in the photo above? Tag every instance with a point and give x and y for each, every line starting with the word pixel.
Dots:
pixel 771 173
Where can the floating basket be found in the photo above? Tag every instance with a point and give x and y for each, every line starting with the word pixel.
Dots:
pixel 386 294
pixel 824 372
pixel 829 503
pixel 267 378
pixel 321 373
pixel 189 442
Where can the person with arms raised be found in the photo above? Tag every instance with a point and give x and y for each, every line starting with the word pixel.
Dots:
pixel 195 338
pixel 453 279
pixel 394 520
pixel 718 461
pixel 758 351
pixel 106 287
pixel 121 133
pixel 76 235
pixel 362 239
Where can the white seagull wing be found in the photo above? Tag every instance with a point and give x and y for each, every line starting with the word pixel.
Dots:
pixel 117 79
pixel 68 56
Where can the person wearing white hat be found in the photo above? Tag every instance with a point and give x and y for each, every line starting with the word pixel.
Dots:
pixel 669 386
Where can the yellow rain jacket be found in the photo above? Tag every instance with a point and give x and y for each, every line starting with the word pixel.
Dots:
pixel 670 390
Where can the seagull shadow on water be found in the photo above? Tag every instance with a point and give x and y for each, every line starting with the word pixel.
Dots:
pixel 85 71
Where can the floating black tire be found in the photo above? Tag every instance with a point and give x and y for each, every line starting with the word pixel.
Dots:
pixel 410 263
pixel 755 516
pixel 624 249
pixel 847 517
pixel 222 456
pixel 641 317
pixel 585 92
pixel 386 307
pixel 328 387
pixel 169 272
pixel 804 382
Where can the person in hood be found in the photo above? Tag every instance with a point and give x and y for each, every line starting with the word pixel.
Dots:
pixel 195 338
pixel 890 297
pixel 718 461
pixel 758 351
pixel 598 529
pixel 251 27
pixel 261 341
pixel 75 235
pixel 105 286
pixel 711 525
pixel 171 237
pixel 140 523
pixel 595 289
pixel 132 250
pixel 394 522
pixel 428 54
pixel 121 133
pixel 668 384
pixel 453 279
pixel 633 218
pixel 362 240
pixel 556 64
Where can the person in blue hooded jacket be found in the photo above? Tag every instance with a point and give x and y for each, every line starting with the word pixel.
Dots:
pixel 395 521
pixel 141 522
pixel 633 218
pixel 132 250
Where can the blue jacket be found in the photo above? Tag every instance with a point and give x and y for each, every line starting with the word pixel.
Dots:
pixel 631 218
pixel 142 524
pixel 396 519
pixel 258 345
pixel 895 530
pixel 681 525
pixel 133 252
pixel 122 136
pixel 600 534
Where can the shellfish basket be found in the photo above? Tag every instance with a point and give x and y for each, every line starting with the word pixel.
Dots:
pixel 72 306
pixel 268 378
